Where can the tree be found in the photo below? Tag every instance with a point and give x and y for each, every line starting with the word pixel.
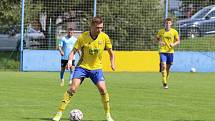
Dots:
pixel 54 9
pixel 8 13
pixel 132 24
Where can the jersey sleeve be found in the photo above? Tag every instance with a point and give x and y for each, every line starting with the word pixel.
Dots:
pixel 108 44
pixel 61 43
pixel 176 34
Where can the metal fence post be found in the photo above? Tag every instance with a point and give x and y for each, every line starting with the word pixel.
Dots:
pixel 22 35
pixel 166 8
pixel 94 8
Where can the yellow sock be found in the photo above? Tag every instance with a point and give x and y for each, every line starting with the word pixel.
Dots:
pixel 164 76
pixel 66 99
pixel 105 101
pixel 167 77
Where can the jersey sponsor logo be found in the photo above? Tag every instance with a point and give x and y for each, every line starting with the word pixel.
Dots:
pixel 93 51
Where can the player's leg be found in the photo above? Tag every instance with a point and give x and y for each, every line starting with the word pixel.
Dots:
pixel 67 98
pixel 164 74
pixel 62 76
pixel 168 71
pixel 69 93
pixel 105 99
pixel 163 59
pixel 71 72
pixel 63 66
pixel 76 81
pixel 169 63
pixel 98 79
pixel 71 75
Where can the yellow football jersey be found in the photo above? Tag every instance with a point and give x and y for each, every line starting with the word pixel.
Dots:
pixel 167 37
pixel 92 50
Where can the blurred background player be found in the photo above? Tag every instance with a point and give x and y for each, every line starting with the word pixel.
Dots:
pixel 92 45
pixel 65 47
pixel 167 38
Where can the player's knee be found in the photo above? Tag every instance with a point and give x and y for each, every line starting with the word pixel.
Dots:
pixel 163 66
pixel 62 68
pixel 162 69
pixel 72 90
pixel 102 91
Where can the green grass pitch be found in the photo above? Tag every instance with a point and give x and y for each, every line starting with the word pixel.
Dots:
pixel 34 96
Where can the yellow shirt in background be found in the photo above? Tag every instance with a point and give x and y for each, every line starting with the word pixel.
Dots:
pixel 167 37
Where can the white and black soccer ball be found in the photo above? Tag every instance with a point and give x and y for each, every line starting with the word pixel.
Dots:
pixel 75 115
pixel 193 70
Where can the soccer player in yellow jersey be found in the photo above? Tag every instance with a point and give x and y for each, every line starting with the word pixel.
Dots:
pixel 91 44
pixel 167 38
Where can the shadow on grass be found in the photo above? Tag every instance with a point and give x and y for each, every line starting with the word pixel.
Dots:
pixel 50 119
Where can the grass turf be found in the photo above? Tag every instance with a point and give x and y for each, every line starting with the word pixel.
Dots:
pixel 34 96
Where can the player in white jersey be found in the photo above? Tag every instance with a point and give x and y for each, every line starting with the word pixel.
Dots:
pixel 65 46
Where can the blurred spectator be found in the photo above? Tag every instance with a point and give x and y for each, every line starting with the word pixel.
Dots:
pixel 35 26
pixel 189 11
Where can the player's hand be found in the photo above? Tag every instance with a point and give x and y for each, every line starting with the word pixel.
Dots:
pixel 62 53
pixel 162 43
pixel 113 67
pixel 172 44
pixel 69 65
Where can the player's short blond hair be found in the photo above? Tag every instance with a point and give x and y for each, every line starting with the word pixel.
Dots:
pixel 169 19
pixel 97 20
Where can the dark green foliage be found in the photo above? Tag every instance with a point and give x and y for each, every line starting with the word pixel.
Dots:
pixel 132 24
pixel 9 60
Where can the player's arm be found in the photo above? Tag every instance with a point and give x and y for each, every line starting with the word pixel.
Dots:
pixel 61 50
pixel 71 56
pixel 177 42
pixel 60 47
pixel 79 53
pixel 159 40
pixel 112 58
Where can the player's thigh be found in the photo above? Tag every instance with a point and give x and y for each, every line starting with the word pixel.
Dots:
pixel 170 57
pixel 80 73
pixel 97 77
pixel 163 57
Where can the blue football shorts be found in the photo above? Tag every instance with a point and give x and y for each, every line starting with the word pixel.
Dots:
pixel 94 75
pixel 167 58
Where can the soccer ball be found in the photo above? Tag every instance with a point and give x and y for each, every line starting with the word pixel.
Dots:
pixel 75 115
pixel 193 69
